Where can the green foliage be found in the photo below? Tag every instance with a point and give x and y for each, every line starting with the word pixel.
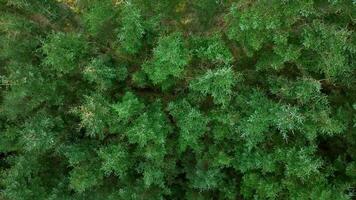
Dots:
pixel 39 134
pixel 169 59
pixel 85 177
pixel 115 160
pixel 94 115
pixel 98 17
pixel 253 27
pixel 332 46
pixel 129 106
pixel 191 122
pixel 132 29
pixel 63 52
pixel 178 99
pixel 212 49
pixel 149 127
pixel 303 91
pixel 101 72
pixel 217 83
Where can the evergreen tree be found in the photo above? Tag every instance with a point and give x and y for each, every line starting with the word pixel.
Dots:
pixel 177 99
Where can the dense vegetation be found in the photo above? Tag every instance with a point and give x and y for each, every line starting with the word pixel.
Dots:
pixel 177 99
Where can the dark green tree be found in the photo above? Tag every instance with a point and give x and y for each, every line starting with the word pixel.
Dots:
pixel 177 99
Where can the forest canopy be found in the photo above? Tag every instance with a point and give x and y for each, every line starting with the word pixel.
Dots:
pixel 177 99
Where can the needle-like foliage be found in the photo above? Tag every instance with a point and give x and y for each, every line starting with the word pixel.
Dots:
pixel 177 99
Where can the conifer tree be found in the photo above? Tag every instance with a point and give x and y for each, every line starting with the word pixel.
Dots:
pixel 177 99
